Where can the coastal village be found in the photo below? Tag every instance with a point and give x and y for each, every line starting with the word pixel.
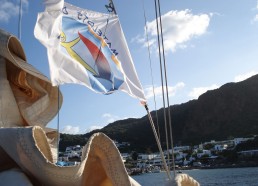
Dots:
pixel 205 155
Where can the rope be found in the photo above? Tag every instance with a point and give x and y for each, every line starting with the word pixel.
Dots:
pixel 158 142
pixel 168 105
pixel 147 38
pixel 20 18
pixel 161 77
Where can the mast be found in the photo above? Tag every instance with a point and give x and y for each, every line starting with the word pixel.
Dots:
pixel 165 78
pixel 58 122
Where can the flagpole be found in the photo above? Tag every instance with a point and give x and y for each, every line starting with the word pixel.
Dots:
pixel 20 18
pixel 58 127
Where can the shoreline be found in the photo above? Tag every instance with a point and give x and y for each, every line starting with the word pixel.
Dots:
pixel 138 171
pixel 224 166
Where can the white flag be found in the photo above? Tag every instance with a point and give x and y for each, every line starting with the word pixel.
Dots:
pixel 87 48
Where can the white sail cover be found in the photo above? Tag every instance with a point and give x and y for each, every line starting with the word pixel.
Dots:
pixel 87 48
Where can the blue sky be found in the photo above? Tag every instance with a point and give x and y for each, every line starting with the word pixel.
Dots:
pixel 207 44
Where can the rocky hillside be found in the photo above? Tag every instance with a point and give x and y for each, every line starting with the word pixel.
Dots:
pixel 230 111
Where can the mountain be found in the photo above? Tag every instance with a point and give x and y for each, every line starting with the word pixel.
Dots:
pixel 229 111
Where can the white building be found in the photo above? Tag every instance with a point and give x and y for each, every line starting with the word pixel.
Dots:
pixel 220 147
pixel 147 156
pixel 204 152
pixel 73 152
pixel 182 148
pixel 180 155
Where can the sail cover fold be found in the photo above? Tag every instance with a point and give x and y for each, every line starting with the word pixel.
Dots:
pixel 87 48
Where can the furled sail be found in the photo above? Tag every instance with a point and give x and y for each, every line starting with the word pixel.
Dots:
pixel 87 48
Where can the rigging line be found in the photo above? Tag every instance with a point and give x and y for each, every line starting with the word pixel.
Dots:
pixel 105 29
pixel 162 83
pixel 58 127
pixel 103 39
pixel 153 90
pixel 165 73
pixel 158 142
pixel 20 18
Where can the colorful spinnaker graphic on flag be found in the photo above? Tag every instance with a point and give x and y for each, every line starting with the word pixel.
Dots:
pixel 88 48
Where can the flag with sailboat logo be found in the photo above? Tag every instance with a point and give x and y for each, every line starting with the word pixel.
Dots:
pixel 87 48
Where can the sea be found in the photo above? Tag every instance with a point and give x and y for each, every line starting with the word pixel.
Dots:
pixel 207 177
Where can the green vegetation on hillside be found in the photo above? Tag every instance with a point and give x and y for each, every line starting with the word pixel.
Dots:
pixel 227 112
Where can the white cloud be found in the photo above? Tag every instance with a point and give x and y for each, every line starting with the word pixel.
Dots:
pixel 158 90
pixel 196 92
pixel 178 28
pixel 9 9
pixel 242 77
pixel 70 130
pixel 93 127
pixel 109 118
pixel 255 18
pixel 138 39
